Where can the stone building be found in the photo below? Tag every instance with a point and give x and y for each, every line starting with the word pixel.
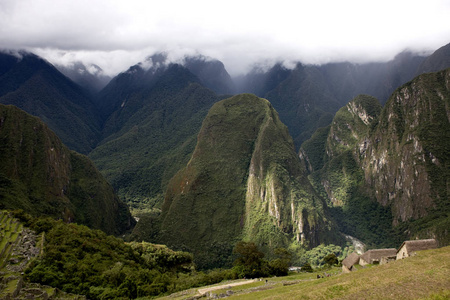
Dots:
pixel 374 256
pixel 349 262
pixel 409 248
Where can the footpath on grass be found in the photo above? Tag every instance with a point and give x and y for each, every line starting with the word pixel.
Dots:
pixel 224 286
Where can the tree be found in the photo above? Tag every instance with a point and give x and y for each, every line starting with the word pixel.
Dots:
pixel 307 268
pixel 331 259
pixel 280 265
pixel 250 259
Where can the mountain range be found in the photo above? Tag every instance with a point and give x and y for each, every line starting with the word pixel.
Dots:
pixel 187 156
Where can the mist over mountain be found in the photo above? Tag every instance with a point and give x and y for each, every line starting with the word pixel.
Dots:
pixel 90 77
pixel 211 73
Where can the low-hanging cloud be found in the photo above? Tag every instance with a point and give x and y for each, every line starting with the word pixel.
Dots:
pixel 115 34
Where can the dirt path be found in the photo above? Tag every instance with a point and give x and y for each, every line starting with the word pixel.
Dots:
pixel 224 286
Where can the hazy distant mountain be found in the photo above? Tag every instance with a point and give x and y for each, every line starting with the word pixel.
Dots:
pixel 347 80
pixel 211 73
pixel 34 85
pixel 44 178
pixel 439 60
pixel 122 88
pixel 307 96
pixel 143 76
pixel 91 77
pixel 259 81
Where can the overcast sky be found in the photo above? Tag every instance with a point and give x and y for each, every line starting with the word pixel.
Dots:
pixel 117 34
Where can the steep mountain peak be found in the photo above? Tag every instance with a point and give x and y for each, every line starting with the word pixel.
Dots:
pixel 406 161
pixel 243 181
pixel 392 169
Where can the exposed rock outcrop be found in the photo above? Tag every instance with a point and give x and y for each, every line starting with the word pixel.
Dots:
pixel 397 157
pixel 407 158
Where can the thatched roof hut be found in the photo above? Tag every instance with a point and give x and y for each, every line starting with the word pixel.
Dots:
pixel 374 256
pixel 409 248
pixel 348 263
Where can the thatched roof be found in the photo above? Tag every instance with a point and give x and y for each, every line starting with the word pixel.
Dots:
pixel 417 245
pixel 350 260
pixel 376 254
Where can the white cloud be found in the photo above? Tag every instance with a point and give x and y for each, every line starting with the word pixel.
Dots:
pixel 116 34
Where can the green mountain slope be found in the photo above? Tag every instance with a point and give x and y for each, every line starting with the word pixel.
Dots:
pixel 243 181
pixel 43 177
pixel 336 148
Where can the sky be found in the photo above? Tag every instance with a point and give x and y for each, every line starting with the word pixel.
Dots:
pixel 116 34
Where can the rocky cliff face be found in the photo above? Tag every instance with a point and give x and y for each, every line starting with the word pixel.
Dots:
pixel 43 177
pixel 406 161
pixel 397 157
pixel 333 154
pixel 279 199
pixel 351 125
pixel 243 181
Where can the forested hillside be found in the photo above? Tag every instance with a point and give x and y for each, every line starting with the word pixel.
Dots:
pixel 41 176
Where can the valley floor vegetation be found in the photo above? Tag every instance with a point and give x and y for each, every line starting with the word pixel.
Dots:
pixel 83 261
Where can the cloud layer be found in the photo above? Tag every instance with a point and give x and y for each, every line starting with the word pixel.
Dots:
pixel 116 34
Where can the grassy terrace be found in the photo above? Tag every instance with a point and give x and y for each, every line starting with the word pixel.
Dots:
pixel 425 276
pixel 12 285
pixel 10 231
